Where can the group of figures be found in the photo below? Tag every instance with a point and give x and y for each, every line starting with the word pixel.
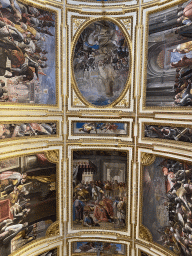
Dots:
pixel 100 189
pixel 101 248
pixel 98 202
pixel 100 128
pixel 168 133
pixel 182 84
pixel 170 57
pixel 167 200
pixel 27 52
pixel 27 200
pixel 26 129
pixel 101 62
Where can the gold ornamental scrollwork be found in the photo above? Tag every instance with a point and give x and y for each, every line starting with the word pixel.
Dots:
pixel 76 23
pixel 52 156
pixel 103 233
pixel 76 102
pixel 145 234
pixel 77 98
pixel 53 230
pixel 124 102
pixel 127 22
pixel 147 159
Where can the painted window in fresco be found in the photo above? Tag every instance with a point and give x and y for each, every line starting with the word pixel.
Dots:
pixel 27 200
pixel 101 248
pixel 99 189
pixel 169 71
pixel 169 133
pixel 100 128
pixel 167 206
pixel 50 253
pixel 26 129
pixel 27 53
pixel 101 62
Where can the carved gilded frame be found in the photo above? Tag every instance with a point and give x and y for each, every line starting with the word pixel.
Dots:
pixel 147 157
pixel 124 233
pixel 72 17
pixel 76 18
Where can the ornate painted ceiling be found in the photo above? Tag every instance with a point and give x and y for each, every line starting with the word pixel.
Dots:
pixel 95 127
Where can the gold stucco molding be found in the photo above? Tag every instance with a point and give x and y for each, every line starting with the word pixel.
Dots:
pixel 127 22
pixel 147 159
pixel 53 230
pixel 77 98
pixel 76 102
pixel 145 234
pixel 124 102
pixel 77 22
pixel 52 156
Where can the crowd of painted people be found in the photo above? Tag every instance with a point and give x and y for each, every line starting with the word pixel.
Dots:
pixel 23 33
pixel 177 236
pixel 102 45
pixel 17 190
pixel 101 62
pixel 97 201
pixel 14 193
pixel 182 86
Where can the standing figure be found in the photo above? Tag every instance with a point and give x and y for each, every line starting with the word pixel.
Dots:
pixel 121 212
pixel 78 204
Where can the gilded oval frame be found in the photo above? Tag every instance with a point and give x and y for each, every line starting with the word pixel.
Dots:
pixel 128 80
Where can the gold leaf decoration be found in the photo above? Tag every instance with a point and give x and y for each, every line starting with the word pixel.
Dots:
pixel 53 230
pixel 52 156
pixel 76 23
pixel 145 234
pixel 124 102
pixel 147 159
pixel 77 101
pixel 128 25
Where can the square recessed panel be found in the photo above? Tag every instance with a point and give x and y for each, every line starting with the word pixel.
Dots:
pixel 100 190
pixel 166 210
pixel 28 57
pixel 169 73
pixel 93 247
pixel 28 200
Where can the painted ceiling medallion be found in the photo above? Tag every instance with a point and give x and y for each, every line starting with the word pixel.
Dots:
pixel 101 62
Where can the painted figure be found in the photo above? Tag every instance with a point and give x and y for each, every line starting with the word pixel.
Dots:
pixel 101 62
pixel 170 57
pixel 27 200
pixel 99 202
pixel 27 51
pixel 99 248
pixel 167 199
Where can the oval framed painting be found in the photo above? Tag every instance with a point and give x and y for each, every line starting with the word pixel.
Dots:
pixel 101 61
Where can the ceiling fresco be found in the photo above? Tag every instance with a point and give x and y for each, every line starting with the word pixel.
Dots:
pixel 95 127
pixel 27 54
pixel 169 59
pixel 28 200
pixel 101 62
